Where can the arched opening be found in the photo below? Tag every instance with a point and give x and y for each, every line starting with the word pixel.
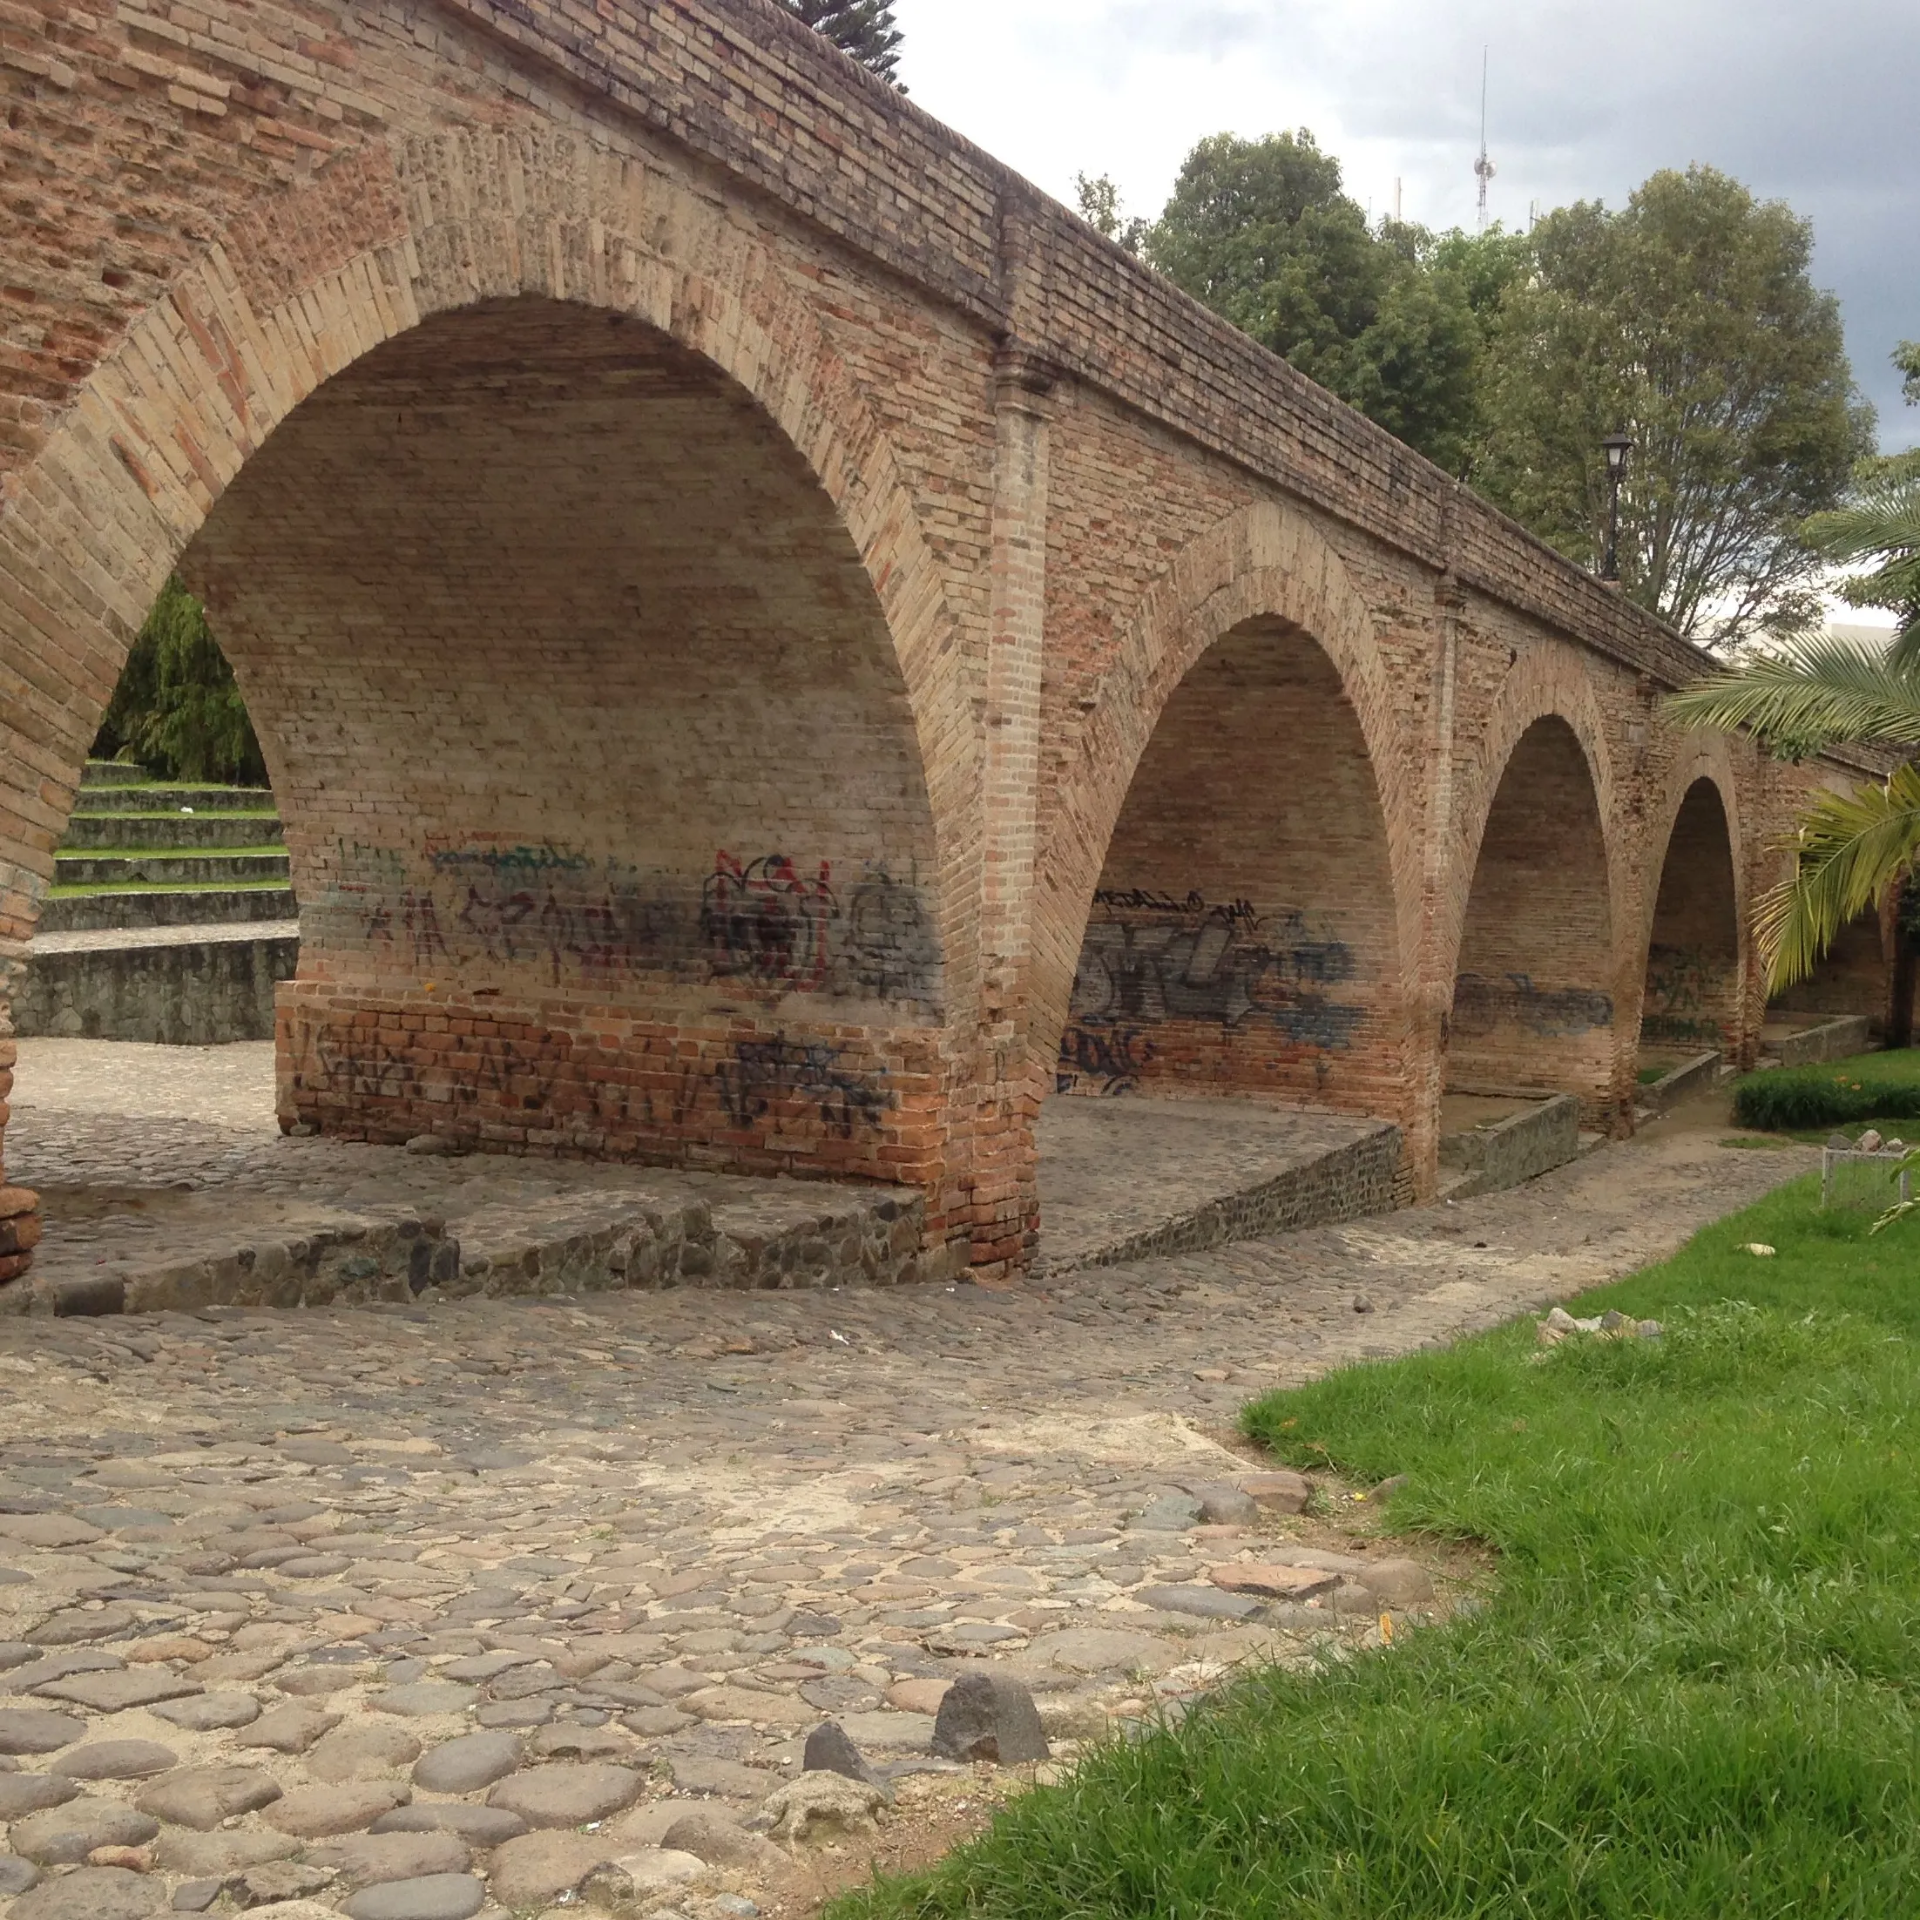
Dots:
pixel 1858 976
pixel 1242 936
pixel 1533 992
pixel 600 779
pixel 1693 990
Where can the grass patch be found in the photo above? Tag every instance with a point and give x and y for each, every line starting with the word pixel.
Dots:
pixel 1648 1075
pixel 81 889
pixel 1695 1695
pixel 1869 1086
pixel 277 850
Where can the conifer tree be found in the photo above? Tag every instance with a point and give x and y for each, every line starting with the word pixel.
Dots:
pixel 862 28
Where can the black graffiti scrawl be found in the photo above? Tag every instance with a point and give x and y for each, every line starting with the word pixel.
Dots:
pixel 1150 959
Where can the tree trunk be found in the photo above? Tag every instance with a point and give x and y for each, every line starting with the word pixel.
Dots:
pixel 1906 970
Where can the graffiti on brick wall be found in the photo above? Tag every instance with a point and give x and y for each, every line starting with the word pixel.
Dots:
pixel 746 1085
pixel 1685 986
pixel 770 923
pixel 1150 959
pixel 1481 1006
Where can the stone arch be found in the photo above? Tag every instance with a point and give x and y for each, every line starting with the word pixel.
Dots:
pixel 1693 923
pixel 1282 980
pixel 1534 909
pixel 386 245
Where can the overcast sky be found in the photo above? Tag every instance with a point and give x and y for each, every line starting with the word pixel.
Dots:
pixel 1810 101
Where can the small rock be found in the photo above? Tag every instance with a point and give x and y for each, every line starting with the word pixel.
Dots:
pixel 281 1880
pixel 1224 1505
pixel 1869 1142
pixel 1277 1582
pixel 817 1801
pixel 1279 1492
pixel 35 1730
pixel 988 1716
pixel 563 1796
pixel 210 1712
pixel 16 1875
pixel 1398 1582
pixel 917 1696
pixel 1171 1513
pixel 1388 1487
pixel 25 1793
pixel 477 1826
pixel 720 1842
pixel 63 1836
pixel 424 1697
pixel 319 1813
pixel 1361 1304
pixel 430 1143
pixel 367 1859
pixel 651 1870
pixel 569 1740
pixel 93 1893
pixel 1101 1649
pixel 47 1530
pixel 117 1760
pixel 538 1866
pixel 288 1729
pixel 196 1896
pixel 1204 1603
pixel 202 1797
pixel 118 1692
pixel 356 1751
pixel 828 1750
pixel 220 1855
pixel 438 1896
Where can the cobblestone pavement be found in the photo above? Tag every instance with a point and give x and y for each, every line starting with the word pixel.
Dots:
pixel 525 1606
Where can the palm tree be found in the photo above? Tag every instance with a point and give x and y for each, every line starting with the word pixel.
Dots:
pixel 1855 849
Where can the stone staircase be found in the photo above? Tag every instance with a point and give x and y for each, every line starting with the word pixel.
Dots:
pixel 170 919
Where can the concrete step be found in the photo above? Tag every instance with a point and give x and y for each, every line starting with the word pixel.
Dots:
pixel 210 869
pixel 184 986
pixel 178 906
pixel 111 773
pixel 160 796
pixel 142 832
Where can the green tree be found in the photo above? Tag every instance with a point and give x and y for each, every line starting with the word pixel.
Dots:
pixel 177 711
pixel 1098 203
pixel 1689 321
pixel 862 28
pixel 1263 232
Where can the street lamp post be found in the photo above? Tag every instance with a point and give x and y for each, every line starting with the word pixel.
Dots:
pixel 1616 446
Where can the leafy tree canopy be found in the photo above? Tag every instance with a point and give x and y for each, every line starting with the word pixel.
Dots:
pixel 861 28
pixel 1392 320
pixel 177 711
pixel 1689 321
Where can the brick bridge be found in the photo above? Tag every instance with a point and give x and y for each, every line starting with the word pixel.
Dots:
pixel 778 648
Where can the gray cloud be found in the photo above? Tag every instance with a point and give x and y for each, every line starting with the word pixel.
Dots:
pixel 1806 103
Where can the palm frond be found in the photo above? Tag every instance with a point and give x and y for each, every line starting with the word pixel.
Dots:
pixel 1852 849
pixel 1813 689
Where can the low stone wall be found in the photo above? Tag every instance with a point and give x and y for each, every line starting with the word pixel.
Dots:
pixel 1527 1144
pixel 1833 1040
pixel 587 1243
pixel 1691 1076
pixel 188 993
pixel 1347 1183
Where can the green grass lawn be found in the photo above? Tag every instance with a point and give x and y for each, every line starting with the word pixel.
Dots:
pixel 1693 1695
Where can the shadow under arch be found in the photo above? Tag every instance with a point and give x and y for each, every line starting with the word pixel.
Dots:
pixel 1695 920
pixel 1236 901
pixel 1535 973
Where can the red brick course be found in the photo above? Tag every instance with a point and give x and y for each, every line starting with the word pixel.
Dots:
pixel 745 600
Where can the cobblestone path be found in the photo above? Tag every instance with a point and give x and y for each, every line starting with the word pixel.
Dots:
pixel 432 1611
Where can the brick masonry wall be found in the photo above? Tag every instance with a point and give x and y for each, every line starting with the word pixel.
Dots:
pixel 711 551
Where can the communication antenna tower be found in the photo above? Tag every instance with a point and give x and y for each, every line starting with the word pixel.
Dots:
pixel 1483 167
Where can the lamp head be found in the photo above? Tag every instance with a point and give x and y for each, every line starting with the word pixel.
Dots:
pixel 1617 446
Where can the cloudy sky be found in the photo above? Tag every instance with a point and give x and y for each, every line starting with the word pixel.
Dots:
pixel 1810 101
